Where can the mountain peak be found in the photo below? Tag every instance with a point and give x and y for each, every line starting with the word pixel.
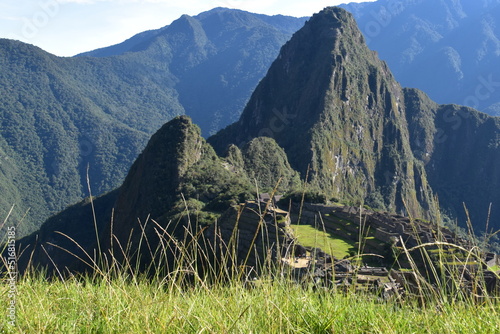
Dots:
pixel 338 113
pixel 329 40
pixel 330 19
pixel 151 185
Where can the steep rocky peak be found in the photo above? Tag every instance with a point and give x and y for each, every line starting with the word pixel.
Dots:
pixel 327 54
pixel 338 113
pixel 152 183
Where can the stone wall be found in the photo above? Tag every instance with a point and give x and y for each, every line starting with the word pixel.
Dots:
pixel 251 235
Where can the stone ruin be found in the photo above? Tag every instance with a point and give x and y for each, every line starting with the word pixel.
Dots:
pixel 389 233
pixel 256 232
pixel 260 234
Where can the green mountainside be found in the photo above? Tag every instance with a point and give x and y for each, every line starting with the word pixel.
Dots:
pixel 344 121
pixel 56 119
pixel 328 111
pixel 62 115
pixel 460 149
pixel 339 115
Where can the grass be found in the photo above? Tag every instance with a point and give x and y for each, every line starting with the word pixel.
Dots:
pixel 115 298
pixel 99 305
pixel 494 268
pixel 308 236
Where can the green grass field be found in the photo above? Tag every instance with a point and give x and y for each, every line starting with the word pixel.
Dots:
pixel 308 236
pixel 113 300
pixel 125 305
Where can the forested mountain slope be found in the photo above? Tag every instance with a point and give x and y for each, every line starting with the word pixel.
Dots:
pixel 62 115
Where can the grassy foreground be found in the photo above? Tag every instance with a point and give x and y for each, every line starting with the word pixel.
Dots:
pixel 99 305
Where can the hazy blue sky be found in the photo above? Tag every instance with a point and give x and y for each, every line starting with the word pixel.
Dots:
pixel 68 27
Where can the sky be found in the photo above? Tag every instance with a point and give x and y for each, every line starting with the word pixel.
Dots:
pixel 69 27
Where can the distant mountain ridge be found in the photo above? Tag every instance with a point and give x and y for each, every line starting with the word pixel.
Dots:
pixel 217 58
pixel 60 115
pixel 58 118
pixel 140 41
pixel 450 49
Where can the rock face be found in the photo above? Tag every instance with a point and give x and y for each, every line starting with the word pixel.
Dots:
pixel 345 122
pixel 340 116
pixel 152 185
